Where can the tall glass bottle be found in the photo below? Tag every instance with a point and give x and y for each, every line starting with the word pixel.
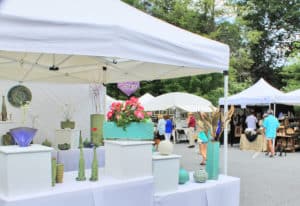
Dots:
pixel 4 110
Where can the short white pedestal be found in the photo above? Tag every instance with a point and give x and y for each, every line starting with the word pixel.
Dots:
pixel 128 159
pixel 165 171
pixel 24 170
pixel 69 136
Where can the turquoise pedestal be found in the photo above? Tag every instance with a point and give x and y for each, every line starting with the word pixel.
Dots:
pixel 134 131
pixel 212 162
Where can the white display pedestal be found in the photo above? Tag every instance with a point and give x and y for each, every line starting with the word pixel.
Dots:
pixel 24 170
pixel 128 159
pixel 165 171
pixel 69 136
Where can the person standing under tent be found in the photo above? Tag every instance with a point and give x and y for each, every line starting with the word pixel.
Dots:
pixel 160 130
pixel 251 121
pixel 202 140
pixel 191 121
pixel 168 127
pixel 270 125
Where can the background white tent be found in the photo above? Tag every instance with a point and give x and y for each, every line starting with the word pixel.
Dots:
pixel 184 101
pixel 145 98
pixel 130 44
pixel 261 93
pixel 290 98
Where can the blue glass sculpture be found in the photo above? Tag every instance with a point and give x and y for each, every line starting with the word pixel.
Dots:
pixel 23 135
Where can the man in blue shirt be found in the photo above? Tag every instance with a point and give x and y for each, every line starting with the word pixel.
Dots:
pixel 270 125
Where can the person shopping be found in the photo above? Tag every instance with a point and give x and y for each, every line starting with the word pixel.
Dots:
pixel 191 121
pixel 168 127
pixel 270 125
pixel 203 140
pixel 160 131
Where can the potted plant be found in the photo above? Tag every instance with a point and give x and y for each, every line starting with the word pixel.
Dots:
pixel 128 120
pixel 68 111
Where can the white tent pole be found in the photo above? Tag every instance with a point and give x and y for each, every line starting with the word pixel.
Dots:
pixel 225 118
pixel 104 84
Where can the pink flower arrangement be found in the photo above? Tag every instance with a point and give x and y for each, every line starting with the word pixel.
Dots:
pixel 129 111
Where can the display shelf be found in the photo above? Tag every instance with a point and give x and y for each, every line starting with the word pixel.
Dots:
pixel 69 136
pixel 7 122
pixel 24 170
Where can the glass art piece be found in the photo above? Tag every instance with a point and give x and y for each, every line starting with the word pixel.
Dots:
pixel 23 135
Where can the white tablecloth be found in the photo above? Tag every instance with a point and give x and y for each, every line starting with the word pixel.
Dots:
pixel 70 158
pixel 106 192
pixel 223 192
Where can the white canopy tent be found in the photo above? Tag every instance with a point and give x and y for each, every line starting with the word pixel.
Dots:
pixel 261 93
pixel 145 98
pixel 184 101
pixel 290 98
pixel 51 41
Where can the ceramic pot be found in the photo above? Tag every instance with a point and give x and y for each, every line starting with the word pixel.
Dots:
pixel 67 124
pixel 183 176
pixel 59 173
pixel 165 147
pixel 200 175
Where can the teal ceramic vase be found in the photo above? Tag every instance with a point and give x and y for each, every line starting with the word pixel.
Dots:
pixel 183 176
pixel 212 162
pixel 200 175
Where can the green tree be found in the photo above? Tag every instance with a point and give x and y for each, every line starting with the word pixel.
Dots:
pixel 268 27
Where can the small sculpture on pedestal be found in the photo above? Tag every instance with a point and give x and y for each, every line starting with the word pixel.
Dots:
pixel 81 169
pixel 94 175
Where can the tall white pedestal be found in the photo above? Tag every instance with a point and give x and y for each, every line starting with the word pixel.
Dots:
pixel 69 136
pixel 165 171
pixel 24 170
pixel 128 159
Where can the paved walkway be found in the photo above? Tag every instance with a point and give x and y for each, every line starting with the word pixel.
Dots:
pixel 264 181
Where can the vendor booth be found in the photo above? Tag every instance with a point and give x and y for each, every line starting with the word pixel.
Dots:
pixel 49 41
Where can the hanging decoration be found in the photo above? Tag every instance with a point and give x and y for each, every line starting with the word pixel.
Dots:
pixel 129 88
pixel 19 95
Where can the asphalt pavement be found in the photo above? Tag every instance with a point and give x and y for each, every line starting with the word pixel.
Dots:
pixel 265 181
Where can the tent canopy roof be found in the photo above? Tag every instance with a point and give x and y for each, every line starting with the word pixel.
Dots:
pixel 184 101
pixel 258 94
pixel 290 98
pixel 131 45
pixel 146 98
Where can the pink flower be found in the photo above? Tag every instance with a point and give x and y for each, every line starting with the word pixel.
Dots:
pixel 129 111
pixel 149 114
pixel 110 114
pixel 139 114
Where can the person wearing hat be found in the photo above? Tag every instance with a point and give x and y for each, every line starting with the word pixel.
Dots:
pixel 191 121
pixel 270 125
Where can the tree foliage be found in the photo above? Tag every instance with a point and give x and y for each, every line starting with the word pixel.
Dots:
pixel 260 37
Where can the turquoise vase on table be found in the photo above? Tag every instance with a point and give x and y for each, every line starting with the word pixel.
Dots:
pixel 212 162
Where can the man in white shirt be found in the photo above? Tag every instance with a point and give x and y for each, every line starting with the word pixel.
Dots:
pixel 251 121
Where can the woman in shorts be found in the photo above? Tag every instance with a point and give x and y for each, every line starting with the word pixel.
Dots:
pixel 203 140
